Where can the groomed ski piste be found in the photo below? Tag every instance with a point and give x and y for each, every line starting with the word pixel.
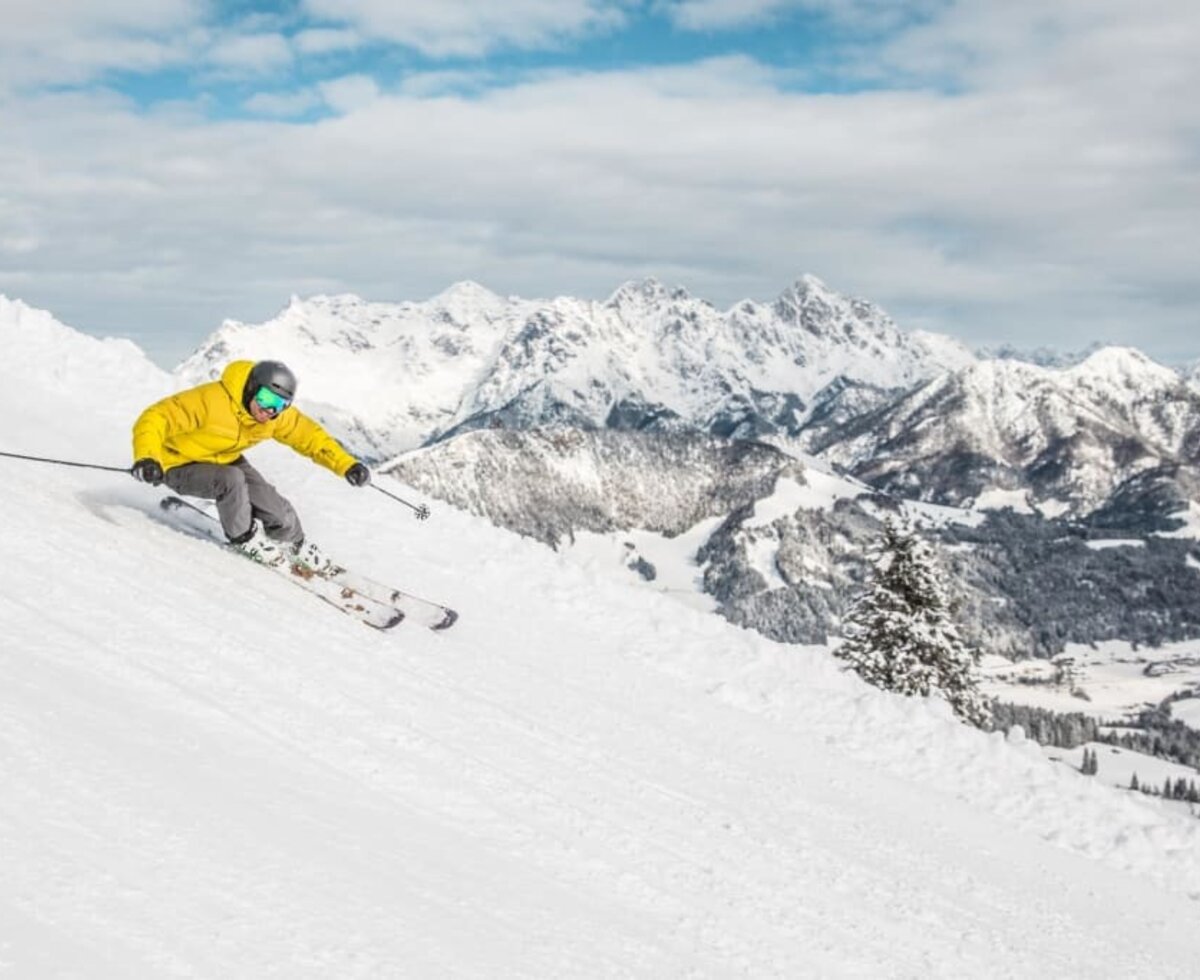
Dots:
pixel 205 772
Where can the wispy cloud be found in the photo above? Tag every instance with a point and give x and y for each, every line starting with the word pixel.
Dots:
pixel 251 53
pixel 349 93
pixel 707 15
pixel 72 40
pixel 472 28
pixel 327 40
pixel 284 105
pixel 872 15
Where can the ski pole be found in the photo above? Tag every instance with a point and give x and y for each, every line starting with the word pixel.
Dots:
pixel 422 511
pixel 67 462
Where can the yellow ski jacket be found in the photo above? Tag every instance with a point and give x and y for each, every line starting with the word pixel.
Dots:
pixel 209 424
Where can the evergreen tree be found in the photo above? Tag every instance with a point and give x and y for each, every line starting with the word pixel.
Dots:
pixel 1091 762
pixel 1133 783
pixel 900 636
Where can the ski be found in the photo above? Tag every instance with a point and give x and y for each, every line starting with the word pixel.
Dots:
pixel 348 585
pixel 377 615
pixel 432 615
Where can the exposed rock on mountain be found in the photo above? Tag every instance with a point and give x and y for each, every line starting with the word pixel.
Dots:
pixel 550 483
pixel 1065 439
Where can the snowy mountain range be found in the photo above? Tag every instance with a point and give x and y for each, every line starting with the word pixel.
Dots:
pixel 648 357
pixel 812 372
pixel 1068 440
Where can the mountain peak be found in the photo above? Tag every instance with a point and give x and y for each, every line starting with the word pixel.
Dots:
pixel 806 287
pixel 337 303
pixel 810 283
pixel 467 302
pixel 810 301
pixel 1123 367
pixel 465 290
pixel 644 292
pixel 1048 357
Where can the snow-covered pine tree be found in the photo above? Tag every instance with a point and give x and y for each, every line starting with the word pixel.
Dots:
pixel 899 634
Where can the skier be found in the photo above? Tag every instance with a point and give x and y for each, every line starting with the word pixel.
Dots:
pixel 193 442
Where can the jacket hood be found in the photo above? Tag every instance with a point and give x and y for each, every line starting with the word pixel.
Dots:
pixel 233 380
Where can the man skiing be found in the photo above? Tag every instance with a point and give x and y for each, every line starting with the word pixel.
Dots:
pixel 193 442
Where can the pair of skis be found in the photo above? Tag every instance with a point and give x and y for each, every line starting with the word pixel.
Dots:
pixel 373 603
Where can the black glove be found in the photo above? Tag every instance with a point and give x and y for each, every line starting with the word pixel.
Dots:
pixel 358 475
pixel 148 471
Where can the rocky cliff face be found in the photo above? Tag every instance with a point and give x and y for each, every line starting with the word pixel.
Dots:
pixel 550 483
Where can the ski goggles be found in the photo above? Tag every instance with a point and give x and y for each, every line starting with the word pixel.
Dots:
pixel 270 401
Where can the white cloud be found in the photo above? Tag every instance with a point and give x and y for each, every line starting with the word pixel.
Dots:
pixel 252 53
pixel 343 95
pixel 27 22
pixel 71 40
pixel 283 104
pixel 326 40
pixel 349 93
pixel 876 15
pixel 1054 197
pixel 430 84
pixel 444 28
pixel 706 15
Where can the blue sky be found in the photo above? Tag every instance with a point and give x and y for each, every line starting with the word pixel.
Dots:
pixel 299 48
pixel 1011 172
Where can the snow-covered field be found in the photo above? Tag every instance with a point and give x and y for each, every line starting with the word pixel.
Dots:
pixel 1110 681
pixel 1116 767
pixel 207 773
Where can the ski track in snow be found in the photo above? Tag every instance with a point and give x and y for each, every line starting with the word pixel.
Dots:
pixel 207 772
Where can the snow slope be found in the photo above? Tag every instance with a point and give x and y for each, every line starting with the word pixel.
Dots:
pixel 206 772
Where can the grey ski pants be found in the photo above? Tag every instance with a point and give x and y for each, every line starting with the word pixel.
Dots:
pixel 241 493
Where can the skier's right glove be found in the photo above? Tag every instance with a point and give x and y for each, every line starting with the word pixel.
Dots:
pixel 358 475
pixel 148 471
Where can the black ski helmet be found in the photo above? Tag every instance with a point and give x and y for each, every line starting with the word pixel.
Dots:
pixel 269 374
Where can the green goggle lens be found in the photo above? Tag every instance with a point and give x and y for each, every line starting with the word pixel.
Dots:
pixel 270 400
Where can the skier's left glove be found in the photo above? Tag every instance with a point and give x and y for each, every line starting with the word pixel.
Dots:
pixel 358 475
pixel 148 471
